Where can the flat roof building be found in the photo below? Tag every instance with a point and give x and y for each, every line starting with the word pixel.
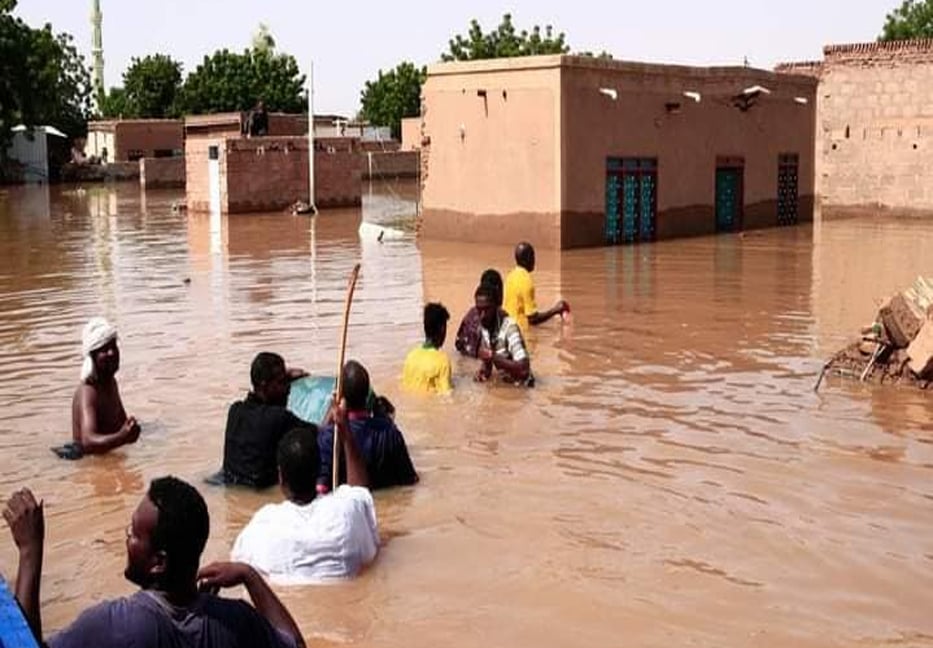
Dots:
pixel 574 151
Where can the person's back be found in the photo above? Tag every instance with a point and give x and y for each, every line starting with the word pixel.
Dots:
pixel 427 367
pixel 147 620
pixel 309 538
pixel 256 424
pixel 519 298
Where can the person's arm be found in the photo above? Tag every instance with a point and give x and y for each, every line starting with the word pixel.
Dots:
pixel 517 369
pixel 356 467
pixel 517 363
pixel 444 383
pixel 231 574
pixel 27 524
pixel 294 373
pixel 325 441
pixel 94 441
pixel 540 318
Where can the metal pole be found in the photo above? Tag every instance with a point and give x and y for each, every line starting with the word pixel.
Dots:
pixel 311 196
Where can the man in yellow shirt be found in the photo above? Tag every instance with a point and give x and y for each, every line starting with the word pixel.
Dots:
pixel 519 300
pixel 427 368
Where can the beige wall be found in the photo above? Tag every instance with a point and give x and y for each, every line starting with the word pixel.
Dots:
pixel 500 179
pixel 875 125
pixel 528 161
pixel 685 140
pixel 411 133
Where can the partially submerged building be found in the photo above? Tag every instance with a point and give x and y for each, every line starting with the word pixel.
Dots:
pixel 129 140
pixel 575 151
pixel 875 119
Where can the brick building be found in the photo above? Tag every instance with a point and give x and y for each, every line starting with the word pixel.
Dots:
pixel 128 140
pixel 574 151
pixel 236 174
pixel 874 121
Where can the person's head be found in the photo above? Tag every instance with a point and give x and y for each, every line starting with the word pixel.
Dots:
pixel 525 256
pixel 494 279
pixel 260 105
pixel 355 385
pixel 270 381
pixel 99 348
pixel 299 463
pixel 166 536
pixel 487 305
pixel 435 324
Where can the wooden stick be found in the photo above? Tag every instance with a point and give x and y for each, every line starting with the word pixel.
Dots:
pixel 354 275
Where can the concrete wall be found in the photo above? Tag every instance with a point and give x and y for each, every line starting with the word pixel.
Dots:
pixel 876 124
pixel 686 137
pixel 271 173
pixel 132 139
pixel 398 164
pixel 517 148
pixel 494 161
pixel 411 133
pixel 162 172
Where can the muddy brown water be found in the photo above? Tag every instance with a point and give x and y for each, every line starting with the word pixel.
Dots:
pixel 672 480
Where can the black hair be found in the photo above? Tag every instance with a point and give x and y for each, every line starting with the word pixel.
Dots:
pixel 355 385
pixel 435 318
pixel 299 461
pixel 182 526
pixel 523 252
pixel 264 367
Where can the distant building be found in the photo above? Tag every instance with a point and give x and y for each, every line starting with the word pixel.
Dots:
pixel 128 140
pixel 574 151
pixel 874 123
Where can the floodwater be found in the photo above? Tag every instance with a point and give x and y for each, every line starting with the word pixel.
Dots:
pixel 673 480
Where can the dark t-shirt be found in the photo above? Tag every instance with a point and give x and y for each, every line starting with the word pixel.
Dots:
pixel 254 430
pixel 382 448
pixel 146 621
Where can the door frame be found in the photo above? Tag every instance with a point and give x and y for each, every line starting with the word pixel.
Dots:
pixel 730 163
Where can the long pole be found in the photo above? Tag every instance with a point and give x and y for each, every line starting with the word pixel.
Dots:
pixel 354 275
pixel 311 200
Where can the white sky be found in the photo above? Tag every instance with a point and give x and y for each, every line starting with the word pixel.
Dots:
pixel 351 41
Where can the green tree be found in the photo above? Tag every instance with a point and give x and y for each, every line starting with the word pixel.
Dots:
pixel 393 95
pixel 151 85
pixel 504 42
pixel 114 105
pixel 913 19
pixel 43 79
pixel 227 81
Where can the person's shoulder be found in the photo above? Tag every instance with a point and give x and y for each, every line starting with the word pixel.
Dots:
pixel 85 392
pixel 108 622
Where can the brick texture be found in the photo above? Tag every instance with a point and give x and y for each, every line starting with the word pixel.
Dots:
pixel 162 172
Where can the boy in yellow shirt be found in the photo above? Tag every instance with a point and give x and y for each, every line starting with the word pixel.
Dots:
pixel 519 300
pixel 427 368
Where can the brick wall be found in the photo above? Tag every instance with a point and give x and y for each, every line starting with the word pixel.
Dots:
pixel 400 164
pixel 804 68
pixel 147 136
pixel 271 173
pixel 875 125
pixel 162 172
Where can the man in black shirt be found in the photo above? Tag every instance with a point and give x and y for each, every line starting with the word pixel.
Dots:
pixel 256 424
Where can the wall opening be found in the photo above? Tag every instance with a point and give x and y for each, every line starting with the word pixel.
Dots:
pixel 631 200
pixel 788 189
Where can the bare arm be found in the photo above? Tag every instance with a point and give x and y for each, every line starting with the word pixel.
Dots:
pixel 84 426
pixel 517 369
pixel 232 574
pixel 27 524
pixel 356 467
pixel 540 318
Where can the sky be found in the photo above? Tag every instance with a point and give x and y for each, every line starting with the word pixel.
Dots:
pixel 349 43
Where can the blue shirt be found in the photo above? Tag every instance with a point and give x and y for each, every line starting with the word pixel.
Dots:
pixel 381 446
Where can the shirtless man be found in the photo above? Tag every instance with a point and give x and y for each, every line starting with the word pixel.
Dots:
pixel 98 421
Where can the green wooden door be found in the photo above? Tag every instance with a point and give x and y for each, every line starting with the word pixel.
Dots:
pixel 728 199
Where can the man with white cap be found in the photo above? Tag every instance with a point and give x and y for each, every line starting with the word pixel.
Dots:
pixel 98 421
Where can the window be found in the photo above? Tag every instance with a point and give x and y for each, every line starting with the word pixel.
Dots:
pixel 213 153
pixel 631 200
pixel 788 189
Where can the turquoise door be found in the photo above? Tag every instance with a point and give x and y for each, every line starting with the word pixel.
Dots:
pixel 631 200
pixel 728 199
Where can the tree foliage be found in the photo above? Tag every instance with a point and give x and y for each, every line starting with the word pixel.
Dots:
pixel 227 81
pixel 913 19
pixel 504 42
pixel 43 79
pixel 393 95
pixel 152 85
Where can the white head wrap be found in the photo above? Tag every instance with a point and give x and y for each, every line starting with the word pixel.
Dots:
pixel 98 332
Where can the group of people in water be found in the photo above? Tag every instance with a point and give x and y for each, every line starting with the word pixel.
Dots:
pixel 313 534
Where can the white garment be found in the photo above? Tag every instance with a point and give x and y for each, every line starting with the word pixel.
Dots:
pixel 97 333
pixel 331 538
